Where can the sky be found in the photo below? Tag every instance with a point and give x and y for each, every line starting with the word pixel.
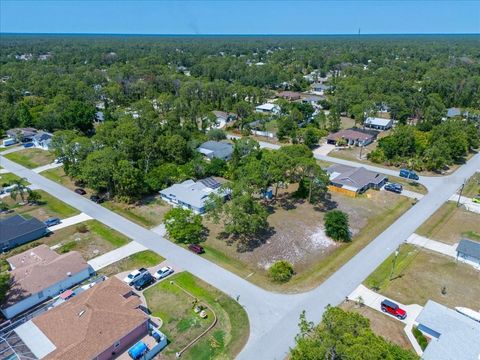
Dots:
pixel 240 16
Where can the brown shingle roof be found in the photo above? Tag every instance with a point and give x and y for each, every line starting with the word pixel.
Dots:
pixel 350 135
pixel 39 268
pixel 92 321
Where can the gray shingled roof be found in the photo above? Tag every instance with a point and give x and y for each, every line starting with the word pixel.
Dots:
pixel 469 248
pixel 459 335
pixel 15 226
pixel 352 177
pixel 216 149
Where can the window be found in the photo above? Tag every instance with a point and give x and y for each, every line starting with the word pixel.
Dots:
pixel 116 345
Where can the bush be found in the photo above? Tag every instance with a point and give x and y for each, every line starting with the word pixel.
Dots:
pixel 336 226
pixel 421 339
pixel 82 228
pixel 281 271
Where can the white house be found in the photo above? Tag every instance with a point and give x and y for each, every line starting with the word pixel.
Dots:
pixel 42 140
pixel 39 274
pixel 268 108
pixel 378 123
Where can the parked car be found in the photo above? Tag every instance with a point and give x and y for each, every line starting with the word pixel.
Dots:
pixel 145 279
pixel 163 272
pixel 394 187
pixel 28 145
pixel 197 249
pixel 97 199
pixel 393 309
pixel 476 199
pixel 409 174
pixel 80 191
pixel 134 275
pixel 52 221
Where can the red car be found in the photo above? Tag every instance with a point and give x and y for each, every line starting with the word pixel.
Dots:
pixel 393 309
pixel 197 249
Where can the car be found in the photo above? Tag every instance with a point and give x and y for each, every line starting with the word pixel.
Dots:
pixel 143 281
pixel 80 191
pixel 394 187
pixel 197 249
pixel 163 272
pixel 134 275
pixel 58 160
pixel 393 309
pixel 52 221
pixel 409 174
pixel 476 199
pixel 97 199
pixel 28 145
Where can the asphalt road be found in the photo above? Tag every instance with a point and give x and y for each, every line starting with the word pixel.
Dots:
pixel 273 317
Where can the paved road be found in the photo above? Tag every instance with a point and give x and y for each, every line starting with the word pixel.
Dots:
pixel 273 317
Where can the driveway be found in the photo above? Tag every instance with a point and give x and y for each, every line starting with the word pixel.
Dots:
pixel 469 204
pixel 115 255
pixel 47 167
pixel 73 220
pixel 323 150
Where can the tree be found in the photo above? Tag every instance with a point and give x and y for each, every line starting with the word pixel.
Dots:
pixel 183 225
pixel 281 271
pixel 19 188
pixel 310 136
pixel 334 121
pixel 128 181
pixel 343 335
pixel 336 226
pixel 33 196
pixel 5 280
pixel 216 135
pixel 163 176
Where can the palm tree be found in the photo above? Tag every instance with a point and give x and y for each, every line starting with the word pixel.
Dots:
pixel 19 188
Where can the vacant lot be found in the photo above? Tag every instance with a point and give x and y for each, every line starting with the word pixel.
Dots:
pixel 451 223
pixel 181 324
pixel 90 238
pixel 144 259
pixel 31 158
pixel 148 212
pixel 48 206
pixel 420 275
pixel 298 236
pixel 381 324
pixel 472 187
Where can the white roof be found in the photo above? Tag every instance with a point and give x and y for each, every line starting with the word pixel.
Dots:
pixel 377 121
pixel 35 339
pixel 267 106
pixel 190 192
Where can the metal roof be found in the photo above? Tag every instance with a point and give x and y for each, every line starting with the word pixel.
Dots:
pixel 469 248
pixel 39 344
pixel 377 121
pixel 190 192
pixel 216 149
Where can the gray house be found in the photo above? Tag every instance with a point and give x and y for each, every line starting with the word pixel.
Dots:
pixel 216 149
pixel 378 123
pixel 469 250
pixel 352 181
pixel 16 230
pixel 42 140
pixel 453 335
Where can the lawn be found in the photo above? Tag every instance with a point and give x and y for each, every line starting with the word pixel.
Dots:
pixel 145 259
pixel 472 187
pixel 182 325
pixel 90 238
pixel 48 206
pixel 148 212
pixel 381 324
pixel 8 179
pixel 58 175
pixel 451 223
pixel 31 158
pixel 298 237
pixel 420 275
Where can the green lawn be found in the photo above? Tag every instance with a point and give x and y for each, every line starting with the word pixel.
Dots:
pixel 8 179
pixel 145 259
pixel 31 158
pixel 181 324
pixel 472 187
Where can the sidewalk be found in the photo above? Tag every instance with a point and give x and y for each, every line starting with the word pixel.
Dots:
pixel 115 255
pixel 70 221
pixel 47 167
pixel 373 300
pixel 11 149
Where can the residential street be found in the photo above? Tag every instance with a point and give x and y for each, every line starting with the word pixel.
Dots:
pixel 273 317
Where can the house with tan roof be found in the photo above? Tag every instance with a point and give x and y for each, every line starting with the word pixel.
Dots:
pixel 100 323
pixel 40 274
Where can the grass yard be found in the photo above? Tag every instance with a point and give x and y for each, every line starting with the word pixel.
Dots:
pixel 8 179
pixel 381 324
pixel 298 237
pixel 148 212
pixel 145 259
pixel 90 238
pixel 420 275
pixel 48 206
pixel 58 175
pixel 472 187
pixel 31 158
pixel 451 223
pixel 181 324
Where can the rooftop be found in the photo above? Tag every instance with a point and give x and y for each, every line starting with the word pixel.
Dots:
pixel 350 134
pixel 469 248
pixel 39 268
pixel 377 121
pixel 352 177
pixel 218 149
pixel 14 226
pixel 267 106
pixel 92 321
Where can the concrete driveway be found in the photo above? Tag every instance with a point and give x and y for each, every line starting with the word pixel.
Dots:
pixel 73 220
pixel 115 255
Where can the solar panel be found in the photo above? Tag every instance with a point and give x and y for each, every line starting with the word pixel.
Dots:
pixel 211 183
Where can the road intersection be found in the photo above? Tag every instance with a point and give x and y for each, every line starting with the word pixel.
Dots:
pixel 273 317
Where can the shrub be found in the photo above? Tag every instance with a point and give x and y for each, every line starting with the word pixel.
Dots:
pixel 421 339
pixel 281 271
pixel 336 226
pixel 82 228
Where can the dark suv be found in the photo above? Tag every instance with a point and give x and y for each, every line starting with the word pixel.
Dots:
pixel 393 309
pixel 197 249
pixel 145 280
pixel 394 187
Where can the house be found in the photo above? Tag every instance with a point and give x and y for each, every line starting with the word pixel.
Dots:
pixel 353 181
pixel 289 95
pixel 378 123
pixel 42 140
pixel 351 137
pixel 216 149
pixel 320 88
pixel 452 334
pixel 100 323
pixel 312 99
pixel 191 194
pixel 453 112
pixel 39 274
pixel 222 118
pixel 16 230
pixel 469 250
pixel 22 134
pixel 268 108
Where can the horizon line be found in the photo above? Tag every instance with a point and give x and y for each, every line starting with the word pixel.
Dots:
pixel 226 34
